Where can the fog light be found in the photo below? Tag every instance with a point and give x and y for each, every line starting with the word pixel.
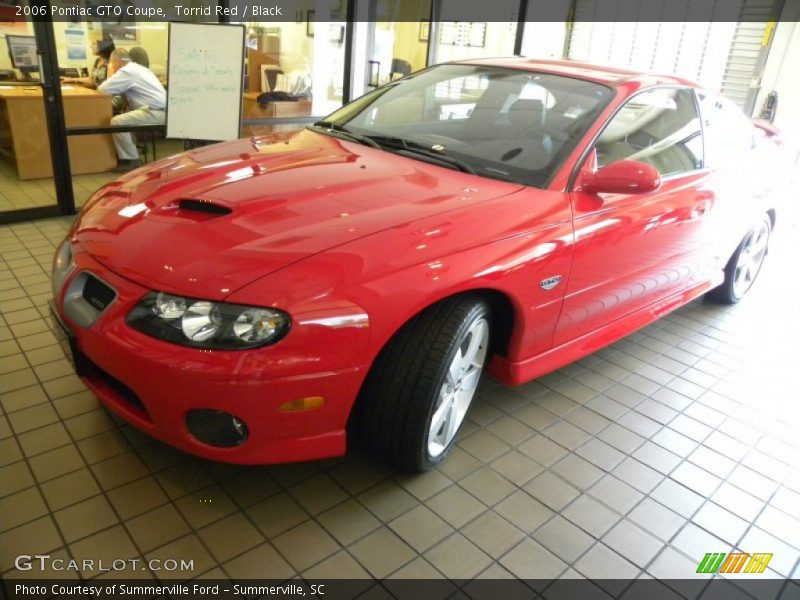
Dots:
pixel 216 428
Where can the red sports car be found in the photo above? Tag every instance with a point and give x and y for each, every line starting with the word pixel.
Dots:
pixel 274 298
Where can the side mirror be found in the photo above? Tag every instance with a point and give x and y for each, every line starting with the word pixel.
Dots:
pixel 622 177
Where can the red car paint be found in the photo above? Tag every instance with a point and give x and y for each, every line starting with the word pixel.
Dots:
pixel 352 241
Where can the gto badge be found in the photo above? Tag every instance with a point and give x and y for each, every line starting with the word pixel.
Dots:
pixel 550 282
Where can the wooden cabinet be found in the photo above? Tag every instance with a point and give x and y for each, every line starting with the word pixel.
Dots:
pixel 25 141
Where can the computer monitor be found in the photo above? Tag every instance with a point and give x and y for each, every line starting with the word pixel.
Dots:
pixel 22 50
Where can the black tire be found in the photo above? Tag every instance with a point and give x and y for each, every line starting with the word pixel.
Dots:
pixel 731 290
pixel 392 416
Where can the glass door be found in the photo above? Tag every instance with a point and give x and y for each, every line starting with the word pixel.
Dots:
pixel 27 185
pixel 399 33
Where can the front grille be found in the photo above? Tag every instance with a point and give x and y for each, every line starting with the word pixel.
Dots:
pixel 97 293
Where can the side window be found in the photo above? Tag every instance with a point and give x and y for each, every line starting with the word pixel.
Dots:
pixel 727 131
pixel 659 127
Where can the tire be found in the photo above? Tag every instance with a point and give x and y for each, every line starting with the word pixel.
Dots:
pixel 745 264
pixel 419 377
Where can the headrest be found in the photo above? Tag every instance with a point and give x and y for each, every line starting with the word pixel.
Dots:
pixel 526 113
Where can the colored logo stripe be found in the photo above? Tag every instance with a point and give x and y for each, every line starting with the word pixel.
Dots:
pixel 734 562
pixel 711 562
pixel 758 563
pixel 716 562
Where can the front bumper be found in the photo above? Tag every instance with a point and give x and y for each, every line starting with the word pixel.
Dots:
pixel 153 384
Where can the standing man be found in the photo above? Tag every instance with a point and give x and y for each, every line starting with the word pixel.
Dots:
pixel 146 98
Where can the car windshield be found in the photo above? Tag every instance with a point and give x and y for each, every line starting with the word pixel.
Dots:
pixel 496 122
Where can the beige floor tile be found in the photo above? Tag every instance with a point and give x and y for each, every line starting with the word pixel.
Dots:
pixel 420 528
pixel 119 470
pixel 187 548
pixel 492 534
pixel 106 546
pixel 382 552
pixel 530 560
pixel 387 500
pixel 43 439
pixel 57 462
pixel 348 522
pixel 276 514
pixel 340 566
pixel 456 506
pixel 458 558
pixel 261 562
pixel 14 478
pixel 563 539
pixel 424 485
pixel 205 506
pixel 523 511
pixel 69 489
pixel 137 497
pixel 85 518
pixel 305 545
pixel 318 493
pixel 35 537
pixel 229 537
pixel 551 490
pixel 158 527
pixel 32 418
pixel 487 485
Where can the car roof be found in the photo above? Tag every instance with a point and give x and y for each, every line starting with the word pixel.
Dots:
pixel 570 68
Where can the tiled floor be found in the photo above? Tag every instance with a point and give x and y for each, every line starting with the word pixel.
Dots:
pixel 34 193
pixel 679 440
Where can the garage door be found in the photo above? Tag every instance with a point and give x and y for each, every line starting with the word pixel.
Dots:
pixel 724 56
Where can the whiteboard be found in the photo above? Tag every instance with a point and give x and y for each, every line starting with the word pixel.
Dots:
pixel 204 81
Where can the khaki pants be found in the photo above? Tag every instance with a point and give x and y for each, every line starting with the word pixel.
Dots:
pixel 126 148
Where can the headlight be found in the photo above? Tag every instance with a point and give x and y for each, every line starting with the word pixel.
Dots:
pixel 62 265
pixel 206 324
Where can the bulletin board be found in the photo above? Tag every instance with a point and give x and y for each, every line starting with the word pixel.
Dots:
pixel 204 81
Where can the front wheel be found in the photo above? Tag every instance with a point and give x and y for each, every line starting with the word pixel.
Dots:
pixel 745 264
pixel 418 392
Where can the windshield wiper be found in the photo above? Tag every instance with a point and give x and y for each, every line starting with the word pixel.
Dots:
pixel 338 128
pixel 417 148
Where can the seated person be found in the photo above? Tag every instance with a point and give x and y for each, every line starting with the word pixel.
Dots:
pixel 144 94
pixel 102 49
pixel 139 56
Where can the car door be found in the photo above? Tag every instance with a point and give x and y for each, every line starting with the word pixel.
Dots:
pixel 633 250
pixel 743 177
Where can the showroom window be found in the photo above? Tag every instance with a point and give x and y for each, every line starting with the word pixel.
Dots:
pixel 728 133
pixel 462 40
pixel 294 71
pixel 659 127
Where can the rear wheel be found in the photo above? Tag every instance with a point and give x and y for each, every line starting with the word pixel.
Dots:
pixel 420 388
pixel 745 264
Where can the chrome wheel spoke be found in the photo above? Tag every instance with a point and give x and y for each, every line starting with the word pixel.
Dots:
pixel 460 381
pixel 476 342
pixel 470 380
pixel 439 416
pixel 754 249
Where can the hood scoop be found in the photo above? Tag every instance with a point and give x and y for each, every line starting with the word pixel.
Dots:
pixel 205 208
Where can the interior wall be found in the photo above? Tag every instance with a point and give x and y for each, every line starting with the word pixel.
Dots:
pixel 780 75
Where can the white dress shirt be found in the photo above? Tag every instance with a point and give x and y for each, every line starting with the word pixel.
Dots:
pixel 139 85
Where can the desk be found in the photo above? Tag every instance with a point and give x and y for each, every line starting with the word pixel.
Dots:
pixel 272 110
pixel 24 138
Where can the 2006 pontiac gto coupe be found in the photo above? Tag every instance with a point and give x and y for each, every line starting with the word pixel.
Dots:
pixel 266 299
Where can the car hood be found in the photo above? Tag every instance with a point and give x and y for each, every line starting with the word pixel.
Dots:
pixel 207 222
